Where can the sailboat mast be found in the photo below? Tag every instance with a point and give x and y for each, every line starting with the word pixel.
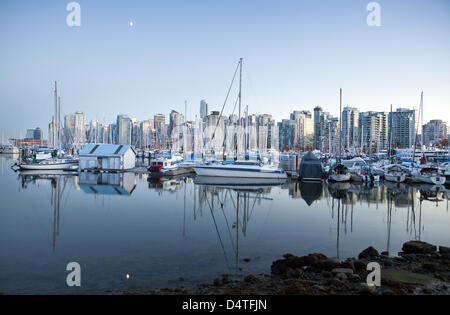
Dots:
pixel 390 135
pixel 340 124
pixel 240 88
pixel 56 115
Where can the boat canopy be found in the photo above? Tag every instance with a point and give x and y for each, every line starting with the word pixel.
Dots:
pixel 310 167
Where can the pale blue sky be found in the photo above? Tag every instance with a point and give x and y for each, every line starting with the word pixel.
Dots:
pixel 297 54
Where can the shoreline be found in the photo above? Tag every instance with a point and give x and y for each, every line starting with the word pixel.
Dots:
pixel 420 269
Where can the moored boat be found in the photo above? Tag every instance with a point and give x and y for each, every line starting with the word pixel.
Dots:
pixel 244 169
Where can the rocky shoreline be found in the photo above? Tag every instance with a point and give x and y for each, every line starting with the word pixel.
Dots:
pixel 420 269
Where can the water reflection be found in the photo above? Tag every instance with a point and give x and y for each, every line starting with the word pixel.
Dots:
pixel 198 228
pixel 122 184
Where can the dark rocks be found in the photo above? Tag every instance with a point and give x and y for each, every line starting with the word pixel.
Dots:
pixel 250 279
pixel 298 288
pixel 360 265
pixel 342 270
pixel 444 250
pixel 279 267
pixel 430 266
pixel 368 253
pixel 328 264
pixel 217 282
pixel 418 247
pixel 341 276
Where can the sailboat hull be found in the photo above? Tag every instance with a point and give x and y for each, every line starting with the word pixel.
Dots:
pixel 50 166
pixel 247 172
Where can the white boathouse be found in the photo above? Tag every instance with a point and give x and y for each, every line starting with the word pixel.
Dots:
pixel 107 157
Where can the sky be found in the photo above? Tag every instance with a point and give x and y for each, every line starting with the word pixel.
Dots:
pixel 297 55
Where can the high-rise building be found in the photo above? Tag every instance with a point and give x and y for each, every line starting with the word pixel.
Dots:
pixel 350 130
pixel 434 131
pixel 373 131
pixel 403 127
pixel 160 131
pixel 305 130
pixel 79 133
pixel 203 109
pixel 317 126
pixel 175 119
pixel 123 129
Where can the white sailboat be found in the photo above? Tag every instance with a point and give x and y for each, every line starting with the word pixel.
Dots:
pixel 240 168
pixel 395 173
pixel 52 163
pixel 339 172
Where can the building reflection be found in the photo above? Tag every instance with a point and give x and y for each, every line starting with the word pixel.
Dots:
pixel 122 184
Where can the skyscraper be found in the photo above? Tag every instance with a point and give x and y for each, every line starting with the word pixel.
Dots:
pixel 350 123
pixel 434 131
pixel 403 127
pixel 123 129
pixel 203 109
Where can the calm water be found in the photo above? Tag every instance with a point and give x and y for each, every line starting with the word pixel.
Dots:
pixel 158 232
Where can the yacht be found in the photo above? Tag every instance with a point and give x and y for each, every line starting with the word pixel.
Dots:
pixel 8 149
pixel 161 166
pixel 244 169
pixel 395 173
pixel 429 175
pixel 339 173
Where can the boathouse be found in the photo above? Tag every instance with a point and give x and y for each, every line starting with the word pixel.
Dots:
pixel 107 157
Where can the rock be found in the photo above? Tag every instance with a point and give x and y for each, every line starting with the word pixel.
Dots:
pixel 328 264
pixel 279 267
pixel 327 274
pixel 367 289
pixel 342 270
pixel 226 278
pixel 293 273
pixel 369 252
pixel 246 260
pixel 298 289
pixel 360 265
pixel 341 276
pixel 217 282
pixel 418 247
pixel 430 266
pixel 251 279
pixel 444 250
pixel 402 277
pixel 348 264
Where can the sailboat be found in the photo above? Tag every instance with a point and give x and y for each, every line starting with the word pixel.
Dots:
pixel 428 174
pixel 339 172
pixel 55 162
pixel 240 168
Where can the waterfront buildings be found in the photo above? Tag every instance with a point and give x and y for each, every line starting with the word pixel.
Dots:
pixel 403 126
pixel 301 131
pixel 434 132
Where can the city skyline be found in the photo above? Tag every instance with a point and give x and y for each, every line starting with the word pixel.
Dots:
pixel 296 57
